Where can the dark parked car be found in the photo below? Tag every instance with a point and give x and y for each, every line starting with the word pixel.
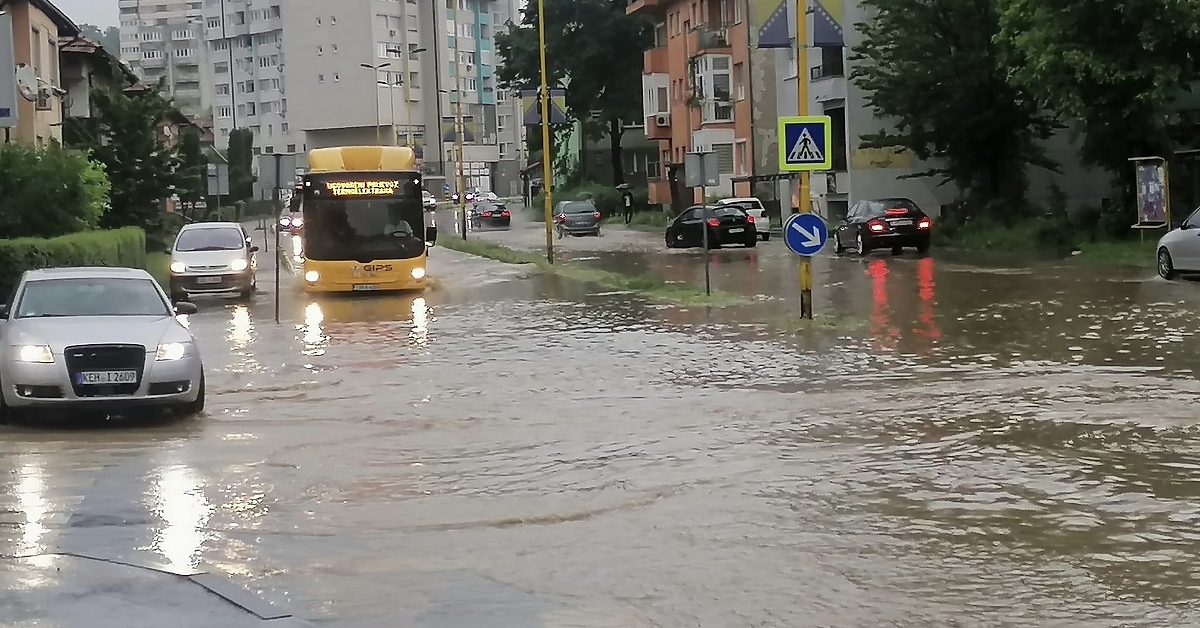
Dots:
pixel 490 215
pixel 577 218
pixel 886 223
pixel 726 224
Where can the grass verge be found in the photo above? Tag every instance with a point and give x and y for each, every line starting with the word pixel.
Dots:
pixel 159 266
pixel 653 289
pixel 820 323
pixel 1124 252
pixel 1033 238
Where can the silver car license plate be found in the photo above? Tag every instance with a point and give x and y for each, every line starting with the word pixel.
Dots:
pixel 901 223
pixel 208 280
pixel 737 230
pixel 106 377
pixel 365 287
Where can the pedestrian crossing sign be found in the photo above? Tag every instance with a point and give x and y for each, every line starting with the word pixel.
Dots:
pixel 804 143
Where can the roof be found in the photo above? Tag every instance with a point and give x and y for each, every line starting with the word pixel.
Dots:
pixel 86 272
pixel 361 159
pixel 82 45
pixel 210 225
pixel 65 25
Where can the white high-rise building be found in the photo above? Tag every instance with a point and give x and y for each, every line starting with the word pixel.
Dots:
pixel 245 53
pixel 162 40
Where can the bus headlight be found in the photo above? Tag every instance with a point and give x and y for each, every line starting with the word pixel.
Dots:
pixel 312 276
pixel 418 273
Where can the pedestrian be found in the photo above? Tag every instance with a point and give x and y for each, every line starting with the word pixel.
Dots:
pixel 626 202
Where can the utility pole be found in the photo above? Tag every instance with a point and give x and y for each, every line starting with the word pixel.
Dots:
pixel 806 297
pixel 544 96
pixel 458 131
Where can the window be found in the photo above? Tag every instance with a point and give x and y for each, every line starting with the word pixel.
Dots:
pixel 505 150
pixel 716 87
pixel 224 111
pixel 724 158
pixel 743 168
pixel 739 81
pixel 291 148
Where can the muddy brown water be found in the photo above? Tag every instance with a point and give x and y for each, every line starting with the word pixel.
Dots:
pixel 988 446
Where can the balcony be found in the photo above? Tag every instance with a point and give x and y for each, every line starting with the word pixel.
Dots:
pixel 712 39
pixel 827 84
pixel 644 7
pixel 656 61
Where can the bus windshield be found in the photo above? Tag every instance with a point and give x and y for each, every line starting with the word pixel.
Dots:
pixel 345 220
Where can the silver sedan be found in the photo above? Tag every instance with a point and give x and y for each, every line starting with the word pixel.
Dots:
pixel 95 339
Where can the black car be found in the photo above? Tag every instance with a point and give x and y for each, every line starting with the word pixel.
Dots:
pixel 490 215
pixel 886 223
pixel 726 224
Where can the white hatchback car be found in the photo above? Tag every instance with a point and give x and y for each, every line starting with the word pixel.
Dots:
pixel 1179 250
pixel 755 208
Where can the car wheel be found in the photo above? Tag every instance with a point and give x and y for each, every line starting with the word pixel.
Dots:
pixel 1166 267
pixel 837 244
pixel 597 234
pixel 766 236
pixel 196 407
pixel 176 297
pixel 896 250
pixel 861 242
pixel 752 243
pixel 6 413
pixel 923 247
pixel 667 239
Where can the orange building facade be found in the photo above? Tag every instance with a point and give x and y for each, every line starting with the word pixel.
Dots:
pixel 695 94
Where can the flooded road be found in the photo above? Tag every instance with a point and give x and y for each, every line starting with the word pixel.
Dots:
pixel 987 446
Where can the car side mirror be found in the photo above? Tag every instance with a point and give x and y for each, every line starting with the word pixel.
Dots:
pixel 254 249
pixel 185 308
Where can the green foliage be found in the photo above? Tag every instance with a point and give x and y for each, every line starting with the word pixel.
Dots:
pixel 607 199
pixel 1113 65
pixel 934 69
pixel 593 47
pixel 109 38
pixel 241 164
pixel 121 247
pixel 124 137
pixel 49 192
pixel 193 167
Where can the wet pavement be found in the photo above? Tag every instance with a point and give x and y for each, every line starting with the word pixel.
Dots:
pixel 989 444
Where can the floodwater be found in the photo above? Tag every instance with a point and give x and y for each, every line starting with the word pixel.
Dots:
pixel 986 446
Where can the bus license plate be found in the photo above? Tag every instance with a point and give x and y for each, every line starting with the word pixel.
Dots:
pixel 365 287
pixel 208 280
pixel 106 377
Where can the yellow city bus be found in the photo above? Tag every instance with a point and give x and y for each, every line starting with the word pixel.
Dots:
pixel 364 224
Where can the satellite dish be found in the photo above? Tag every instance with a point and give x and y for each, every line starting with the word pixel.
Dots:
pixel 26 82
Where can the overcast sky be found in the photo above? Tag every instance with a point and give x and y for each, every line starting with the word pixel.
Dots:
pixel 98 12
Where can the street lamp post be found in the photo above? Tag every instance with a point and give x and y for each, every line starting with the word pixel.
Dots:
pixel 378 122
pixel 391 107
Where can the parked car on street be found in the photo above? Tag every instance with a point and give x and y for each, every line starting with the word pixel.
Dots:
pixel 886 223
pixel 576 218
pixel 1178 250
pixel 756 210
pixel 291 223
pixel 428 201
pixel 213 258
pixel 95 339
pixel 726 224
pixel 490 215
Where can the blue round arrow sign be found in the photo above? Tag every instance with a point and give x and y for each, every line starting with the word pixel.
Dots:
pixel 805 234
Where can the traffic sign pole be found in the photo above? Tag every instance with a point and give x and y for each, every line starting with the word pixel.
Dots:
pixel 806 304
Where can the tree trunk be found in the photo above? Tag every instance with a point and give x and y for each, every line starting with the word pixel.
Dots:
pixel 615 131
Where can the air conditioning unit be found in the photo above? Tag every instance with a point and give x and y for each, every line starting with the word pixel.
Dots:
pixel 662 119
pixel 470 68
pixel 392 33
pixel 43 103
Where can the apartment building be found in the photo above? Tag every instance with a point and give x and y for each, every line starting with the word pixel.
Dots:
pixel 392 71
pixel 696 96
pixel 162 40
pixel 32 112
pixel 862 173
pixel 247 88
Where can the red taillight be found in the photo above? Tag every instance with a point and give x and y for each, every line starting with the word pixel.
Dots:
pixel 750 219
pixel 924 223
pixel 486 214
pixel 562 217
pixel 896 211
pixel 877 226
pixel 713 222
pixel 596 215
pixel 505 214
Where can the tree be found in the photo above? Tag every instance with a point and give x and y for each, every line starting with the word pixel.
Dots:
pixel 109 38
pixel 935 70
pixel 49 192
pixel 124 136
pixel 593 47
pixel 241 164
pixel 193 167
pixel 1112 65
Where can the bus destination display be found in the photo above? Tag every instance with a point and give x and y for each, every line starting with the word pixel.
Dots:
pixel 363 188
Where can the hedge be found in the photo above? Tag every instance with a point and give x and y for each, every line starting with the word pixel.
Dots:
pixel 606 198
pixel 120 247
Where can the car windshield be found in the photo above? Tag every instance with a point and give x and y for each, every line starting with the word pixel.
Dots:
pixel 364 228
pixel 724 210
pixel 210 239
pixel 93 296
pixel 880 207
pixel 578 208
pixel 488 207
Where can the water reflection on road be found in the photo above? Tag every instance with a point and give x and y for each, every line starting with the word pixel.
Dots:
pixel 989 447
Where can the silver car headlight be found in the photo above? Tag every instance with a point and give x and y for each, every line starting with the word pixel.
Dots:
pixel 178 267
pixel 285 222
pixel 170 352
pixel 35 354
pixel 298 222
pixel 238 265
